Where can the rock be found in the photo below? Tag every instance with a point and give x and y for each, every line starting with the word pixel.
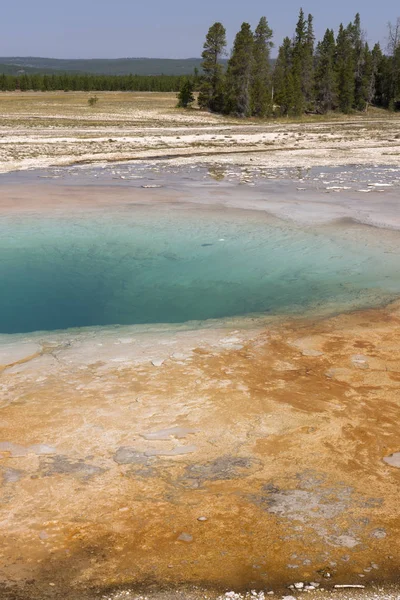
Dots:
pixel 299 586
pixel 185 537
pixel 157 362
pixel 344 586
pixel 360 361
pixel 379 533
pixel 288 598
pixel 393 460
pixel 202 519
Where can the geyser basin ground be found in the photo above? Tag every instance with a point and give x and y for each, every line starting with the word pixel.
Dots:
pixel 116 440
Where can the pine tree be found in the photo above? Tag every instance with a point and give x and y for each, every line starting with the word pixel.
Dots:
pixel 345 69
pixel 325 75
pixel 283 79
pixel 308 65
pixel 303 64
pixel 298 64
pixel 185 96
pixel 379 61
pixel 394 63
pixel 366 86
pixel 359 57
pixel 261 85
pixel 239 72
pixel 211 88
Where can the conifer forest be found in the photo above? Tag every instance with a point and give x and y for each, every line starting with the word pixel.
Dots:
pixel 341 72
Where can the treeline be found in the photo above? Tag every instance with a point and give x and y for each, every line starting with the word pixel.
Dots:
pixel 88 83
pixel 339 73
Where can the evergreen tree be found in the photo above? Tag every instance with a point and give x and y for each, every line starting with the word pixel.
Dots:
pixel 366 87
pixel 355 34
pixel 185 96
pixel 393 75
pixel 298 56
pixel 345 69
pixel 303 64
pixel 325 75
pixel 379 61
pixel 283 79
pixel 196 78
pixel 211 88
pixel 308 78
pixel 261 85
pixel 239 74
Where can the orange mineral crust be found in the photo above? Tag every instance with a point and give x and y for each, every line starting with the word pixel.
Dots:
pixel 247 459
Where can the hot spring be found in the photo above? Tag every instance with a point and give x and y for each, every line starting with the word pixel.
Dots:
pixel 160 264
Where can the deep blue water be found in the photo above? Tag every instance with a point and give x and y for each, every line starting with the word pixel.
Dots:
pixel 171 266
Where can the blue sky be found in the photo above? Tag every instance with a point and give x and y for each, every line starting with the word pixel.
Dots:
pixel 163 28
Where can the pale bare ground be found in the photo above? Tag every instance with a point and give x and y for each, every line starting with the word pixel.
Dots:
pixel 58 128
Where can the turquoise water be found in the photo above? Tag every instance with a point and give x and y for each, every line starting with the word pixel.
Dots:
pixel 160 265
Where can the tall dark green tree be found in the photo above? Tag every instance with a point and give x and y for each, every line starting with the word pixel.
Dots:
pixel 356 37
pixel 185 96
pixel 393 66
pixel 345 69
pixel 308 77
pixel 303 64
pixel 284 89
pixel 325 74
pixel 298 54
pixel 211 93
pixel 239 74
pixel 365 90
pixel 261 84
pixel 379 60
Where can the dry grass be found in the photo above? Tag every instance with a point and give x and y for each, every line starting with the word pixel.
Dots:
pixel 38 129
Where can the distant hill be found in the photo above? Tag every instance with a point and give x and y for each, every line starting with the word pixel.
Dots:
pixel 104 66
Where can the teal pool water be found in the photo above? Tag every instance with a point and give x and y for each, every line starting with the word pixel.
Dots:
pixel 164 265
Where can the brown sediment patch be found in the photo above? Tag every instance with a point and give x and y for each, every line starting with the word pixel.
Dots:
pixel 279 444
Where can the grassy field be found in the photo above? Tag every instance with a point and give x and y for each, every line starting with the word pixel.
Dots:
pixel 27 107
pixel 33 109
